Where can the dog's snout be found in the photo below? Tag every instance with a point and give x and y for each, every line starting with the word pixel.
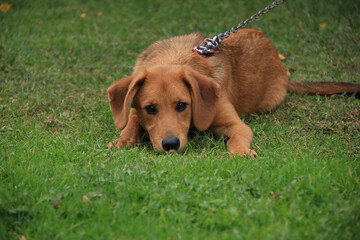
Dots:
pixel 170 143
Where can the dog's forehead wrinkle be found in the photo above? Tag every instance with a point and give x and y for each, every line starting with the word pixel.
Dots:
pixel 164 72
pixel 166 83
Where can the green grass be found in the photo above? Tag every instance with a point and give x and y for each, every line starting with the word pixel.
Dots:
pixel 55 123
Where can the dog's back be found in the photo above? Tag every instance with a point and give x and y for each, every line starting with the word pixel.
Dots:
pixel 259 81
pixel 247 67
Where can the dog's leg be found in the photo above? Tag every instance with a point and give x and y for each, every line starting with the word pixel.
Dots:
pixel 130 135
pixel 228 123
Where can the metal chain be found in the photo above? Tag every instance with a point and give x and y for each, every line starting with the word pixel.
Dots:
pixel 213 43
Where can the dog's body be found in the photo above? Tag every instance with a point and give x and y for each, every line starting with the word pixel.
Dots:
pixel 172 88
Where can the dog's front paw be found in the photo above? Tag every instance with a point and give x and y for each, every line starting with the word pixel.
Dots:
pixel 121 144
pixel 111 145
pixel 244 153
pixel 252 154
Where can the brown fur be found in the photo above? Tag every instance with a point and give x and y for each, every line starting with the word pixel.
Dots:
pixel 245 77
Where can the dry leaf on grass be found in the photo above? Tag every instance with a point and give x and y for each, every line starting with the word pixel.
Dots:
pixel 86 199
pixel 322 25
pixel 282 57
pixel 5 7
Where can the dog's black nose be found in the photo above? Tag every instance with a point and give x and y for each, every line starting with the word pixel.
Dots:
pixel 170 143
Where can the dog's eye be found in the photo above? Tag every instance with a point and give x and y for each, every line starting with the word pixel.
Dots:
pixel 151 109
pixel 181 106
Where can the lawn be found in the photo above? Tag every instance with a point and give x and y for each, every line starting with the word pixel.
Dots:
pixel 58 180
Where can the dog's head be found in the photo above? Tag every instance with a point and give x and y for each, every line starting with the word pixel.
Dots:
pixel 167 99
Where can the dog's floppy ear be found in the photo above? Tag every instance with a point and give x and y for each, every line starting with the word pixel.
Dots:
pixel 121 95
pixel 204 95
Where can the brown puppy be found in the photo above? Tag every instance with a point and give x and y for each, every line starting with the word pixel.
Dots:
pixel 172 89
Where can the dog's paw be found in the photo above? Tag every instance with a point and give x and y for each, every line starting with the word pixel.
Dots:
pixel 111 145
pixel 121 144
pixel 252 154
pixel 248 153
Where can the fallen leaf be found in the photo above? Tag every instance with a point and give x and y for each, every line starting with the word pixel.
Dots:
pixel 322 25
pixel 5 7
pixel 83 15
pixel 86 199
pixel 282 57
pixel 277 196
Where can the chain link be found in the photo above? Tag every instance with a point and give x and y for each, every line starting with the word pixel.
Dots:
pixel 213 43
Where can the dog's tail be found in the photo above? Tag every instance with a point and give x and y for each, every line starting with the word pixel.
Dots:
pixel 324 88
